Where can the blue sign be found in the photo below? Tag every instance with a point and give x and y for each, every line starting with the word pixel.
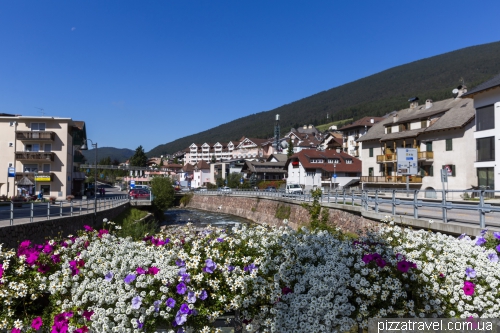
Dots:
pixel 132 184
pixel 189 184
pixel 12 172
pixel 241 180
pixel 409 158
pixel 334 175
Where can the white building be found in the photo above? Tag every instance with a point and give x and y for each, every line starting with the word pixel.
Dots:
pixel 443 134
pixel 487 103
pixel 352 132
pixel 327 169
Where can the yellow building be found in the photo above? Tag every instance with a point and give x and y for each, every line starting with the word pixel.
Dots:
pixel 40 154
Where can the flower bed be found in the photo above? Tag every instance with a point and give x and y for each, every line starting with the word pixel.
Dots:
pixel 278 279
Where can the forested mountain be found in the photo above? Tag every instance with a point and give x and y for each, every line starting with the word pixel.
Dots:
pixel 375 95
pixel 121 155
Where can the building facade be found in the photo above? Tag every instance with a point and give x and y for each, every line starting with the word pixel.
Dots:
pixel 352 132
pixel 41 151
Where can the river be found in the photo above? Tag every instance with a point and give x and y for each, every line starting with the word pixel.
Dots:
pixel 181 216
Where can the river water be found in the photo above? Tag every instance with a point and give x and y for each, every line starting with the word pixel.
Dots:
pixel 201 218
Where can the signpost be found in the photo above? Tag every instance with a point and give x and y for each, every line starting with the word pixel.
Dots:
pixel 132 184
pixel 407 161
pixel 12 172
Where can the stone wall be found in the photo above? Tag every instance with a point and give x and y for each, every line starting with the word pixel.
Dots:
pixel 263 210
pixel 38 232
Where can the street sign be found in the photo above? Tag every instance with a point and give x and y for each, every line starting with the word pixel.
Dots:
pixel 12 172
pixel 407 160
pixel 241 180
pixel 132 184
pixel 334 176
pixel 444 176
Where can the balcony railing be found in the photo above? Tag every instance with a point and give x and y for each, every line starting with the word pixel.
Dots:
pixel 426 155
pixel 40 176
pixel 35 135
pixel 34 156
pixel 389 157
pixel 391 179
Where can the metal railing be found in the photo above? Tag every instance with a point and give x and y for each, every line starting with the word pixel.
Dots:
pixel 19 212
pixel 462 206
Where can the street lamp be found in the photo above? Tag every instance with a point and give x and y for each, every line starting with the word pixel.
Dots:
pixel 84 147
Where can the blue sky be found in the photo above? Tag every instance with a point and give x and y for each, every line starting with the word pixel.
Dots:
pixel 149 72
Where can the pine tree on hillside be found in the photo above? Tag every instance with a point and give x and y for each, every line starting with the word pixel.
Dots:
pixel 139 159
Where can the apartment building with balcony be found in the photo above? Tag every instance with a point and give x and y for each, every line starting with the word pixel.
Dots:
pixel 327 169
pixel 487 135
pixel 352 132
pixel 42 151
pixel 443 134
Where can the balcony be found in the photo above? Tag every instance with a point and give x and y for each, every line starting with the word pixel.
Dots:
pixel 391 179
pixel 40 176
pixel 426 156
pixel 389 157
pixel 34 156
pixel 35 136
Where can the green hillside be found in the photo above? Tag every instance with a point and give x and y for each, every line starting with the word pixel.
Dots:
pixel 375 95
pixel 121 155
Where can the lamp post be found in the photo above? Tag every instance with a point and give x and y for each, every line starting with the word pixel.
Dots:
pixel 84 147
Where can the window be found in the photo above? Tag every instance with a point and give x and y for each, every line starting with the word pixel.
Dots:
pixel 30 167
pixel 423 123
pixel 389 130
pixel 32 147
pixel 449 144
pixel 450 169
pixel 38 126
pixel 371 152
pixel 370 172
pixel 485 149
pixel 348 161
pixel 47 147
pixel 486 178
pixel 428 146
pixel 46 168
pixel 45 189
pixel 427 171
pixel 485 118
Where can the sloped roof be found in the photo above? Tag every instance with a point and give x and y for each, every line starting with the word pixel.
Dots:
pixel 202 165
pixel 365 121
pixel 305 155
pixel 492 83
pixel 279 157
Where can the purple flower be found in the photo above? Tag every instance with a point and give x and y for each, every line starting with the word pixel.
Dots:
pixel 191 297
pixel 108 277
pixel 140 271
pixel 170 303
pixel 180 262
pixel 498 248
pixel 129 278
pixel 139 324
pixel 480 241
pixel 55 258
pixel 404 265
pixel 180 318
pixel 184 308
pixel 483 232
pixel 381 262
pixel 156 305
pixel 87 314
pixel 250 268
pixel 230 268
pixel 220 240
pixel 203 295
pixel 496 234
pixel 181 288
pixel 462 236
pixel 493 257
pixel 136 302
pixel 210 266
pixel 470 272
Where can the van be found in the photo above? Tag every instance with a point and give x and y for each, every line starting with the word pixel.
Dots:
pixel 293 189
pixel 141 187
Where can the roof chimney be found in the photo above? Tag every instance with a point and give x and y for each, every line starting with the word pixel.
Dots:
pixel 413 102
pixel 395 118
pixel 372 121
pixel 428 104
pixel 461 90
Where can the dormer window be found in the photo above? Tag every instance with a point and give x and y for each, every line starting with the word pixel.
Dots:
pixel 388 129
pixel 315 160
pixel 348 161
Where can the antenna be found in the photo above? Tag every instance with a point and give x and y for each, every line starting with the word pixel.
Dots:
pixel 42 111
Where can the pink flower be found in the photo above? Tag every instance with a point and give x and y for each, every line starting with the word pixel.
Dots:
pixel 15 330
pixel 83 329
pixel 37 323
pixel 153 270
pixel 468 288
pixel 88 228
pixel 1 271
pixel 102 232
pixel 140 270
pixel 87 314
pixel 404 266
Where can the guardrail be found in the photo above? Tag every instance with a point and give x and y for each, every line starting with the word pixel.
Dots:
pixel 37 211
pixel 399 202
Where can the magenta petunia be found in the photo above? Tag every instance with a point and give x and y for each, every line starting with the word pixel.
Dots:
pixel 15 330
pixel 87 314
pixel 1 271
pixel 140 270
pixel 468 288
pixel 83 329
pixel 102 232
pixel 37 323
pixel 88 228
pixel 153 270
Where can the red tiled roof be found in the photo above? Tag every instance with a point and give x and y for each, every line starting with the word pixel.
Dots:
pixel 365 121
pixel 305 155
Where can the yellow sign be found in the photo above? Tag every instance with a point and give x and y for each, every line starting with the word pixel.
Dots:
pixel 42 178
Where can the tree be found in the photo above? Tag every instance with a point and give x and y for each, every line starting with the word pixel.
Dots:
pixel 139 158
pixel 163 193
pixel 289 152
pixel 213 158
pixel 233 180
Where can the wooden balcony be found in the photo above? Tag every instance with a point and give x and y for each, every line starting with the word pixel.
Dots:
pixel 389 157
pixel 40 176
pixel 391 179
pixel 34 156
pixel 425 156
pixel 35 135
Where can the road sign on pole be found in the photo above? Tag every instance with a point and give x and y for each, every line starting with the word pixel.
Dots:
pixel 407 160
pixel 132 184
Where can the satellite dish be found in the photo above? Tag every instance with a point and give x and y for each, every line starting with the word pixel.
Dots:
pixel 455 91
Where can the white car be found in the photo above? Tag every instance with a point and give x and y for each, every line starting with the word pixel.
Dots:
pixel 225 189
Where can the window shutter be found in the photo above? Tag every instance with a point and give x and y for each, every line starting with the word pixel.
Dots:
pixel 431 171
pixel 453 170
pixel 422 172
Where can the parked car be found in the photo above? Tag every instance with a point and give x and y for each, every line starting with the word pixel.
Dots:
pixel 270 189
pixel 139 194
pixel 293 189
pixel 225 189
pixel 200 189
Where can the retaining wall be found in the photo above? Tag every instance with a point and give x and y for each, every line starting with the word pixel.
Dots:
pixel 39 231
